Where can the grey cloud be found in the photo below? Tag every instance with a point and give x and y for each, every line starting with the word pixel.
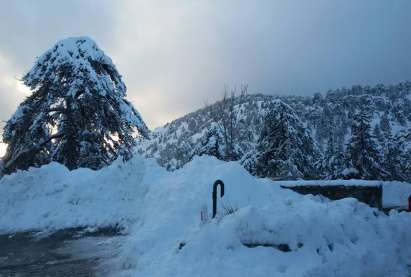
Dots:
pixel 176 55
pixel 28 28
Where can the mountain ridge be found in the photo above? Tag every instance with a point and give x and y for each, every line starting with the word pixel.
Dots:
pixel 326 116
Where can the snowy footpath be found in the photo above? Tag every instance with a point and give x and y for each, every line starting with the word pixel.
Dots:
pixel 260 229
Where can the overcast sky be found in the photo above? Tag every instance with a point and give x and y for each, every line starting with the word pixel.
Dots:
pixel 175 56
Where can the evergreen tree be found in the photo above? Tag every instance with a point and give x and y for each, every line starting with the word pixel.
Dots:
pixel 285 148
pixel 362 153
pixel 385 125
pixel 392 153
pixel 77 113
pixel 332 163
pixel 393 160
pixel 402 154
pixel 213 143
pixel 379 136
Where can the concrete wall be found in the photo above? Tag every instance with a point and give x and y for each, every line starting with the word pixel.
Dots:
pixel 371 195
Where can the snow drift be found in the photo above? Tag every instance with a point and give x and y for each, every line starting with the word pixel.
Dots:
pixel 260 229
pixel 52 197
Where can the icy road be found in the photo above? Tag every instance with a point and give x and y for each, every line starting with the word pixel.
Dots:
pixel 69 252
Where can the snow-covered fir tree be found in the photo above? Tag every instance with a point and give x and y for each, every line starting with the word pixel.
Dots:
pixel 402 161
pixel 213 143
pixel 385 126
pixel 362 149
pixel 77 113
pixel 332 163
pixel 394 159
pixel 285 148
pixel 378 135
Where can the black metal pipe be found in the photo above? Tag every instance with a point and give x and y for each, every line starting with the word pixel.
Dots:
pixel 216 184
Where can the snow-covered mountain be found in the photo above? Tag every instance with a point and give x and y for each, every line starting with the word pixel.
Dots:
pixel 231 128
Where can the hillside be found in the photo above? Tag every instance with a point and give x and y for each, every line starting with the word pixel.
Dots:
pixel 231 128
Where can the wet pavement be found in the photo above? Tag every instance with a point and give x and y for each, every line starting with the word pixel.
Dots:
pixel 69 252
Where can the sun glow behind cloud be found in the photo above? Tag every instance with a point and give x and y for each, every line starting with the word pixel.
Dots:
pixel 12 90
pixel 2 149
pixel 22 88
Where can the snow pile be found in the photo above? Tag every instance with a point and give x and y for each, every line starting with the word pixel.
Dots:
pixel 260 229
pixel 53 197
pixel 395 194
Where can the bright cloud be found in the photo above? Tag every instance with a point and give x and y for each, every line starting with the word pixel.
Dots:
pixel 2 149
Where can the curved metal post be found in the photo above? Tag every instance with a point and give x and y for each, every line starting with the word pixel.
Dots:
pixel 216 183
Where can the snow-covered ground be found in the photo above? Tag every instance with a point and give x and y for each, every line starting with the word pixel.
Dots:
pixel 53 197
pixel 260 230
pixel 395 194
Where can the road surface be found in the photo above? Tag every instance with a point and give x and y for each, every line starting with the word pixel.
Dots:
pixel 70 252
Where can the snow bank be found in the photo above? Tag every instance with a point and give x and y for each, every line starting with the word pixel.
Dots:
pixel 53 197
pixel 260 230
pixel 395 194
pixel 265 230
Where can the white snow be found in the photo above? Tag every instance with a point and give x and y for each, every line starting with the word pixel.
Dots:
pixel 395 194
pixel 349 171
pixel 53 197
pixel 78 52
pixel 170 236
